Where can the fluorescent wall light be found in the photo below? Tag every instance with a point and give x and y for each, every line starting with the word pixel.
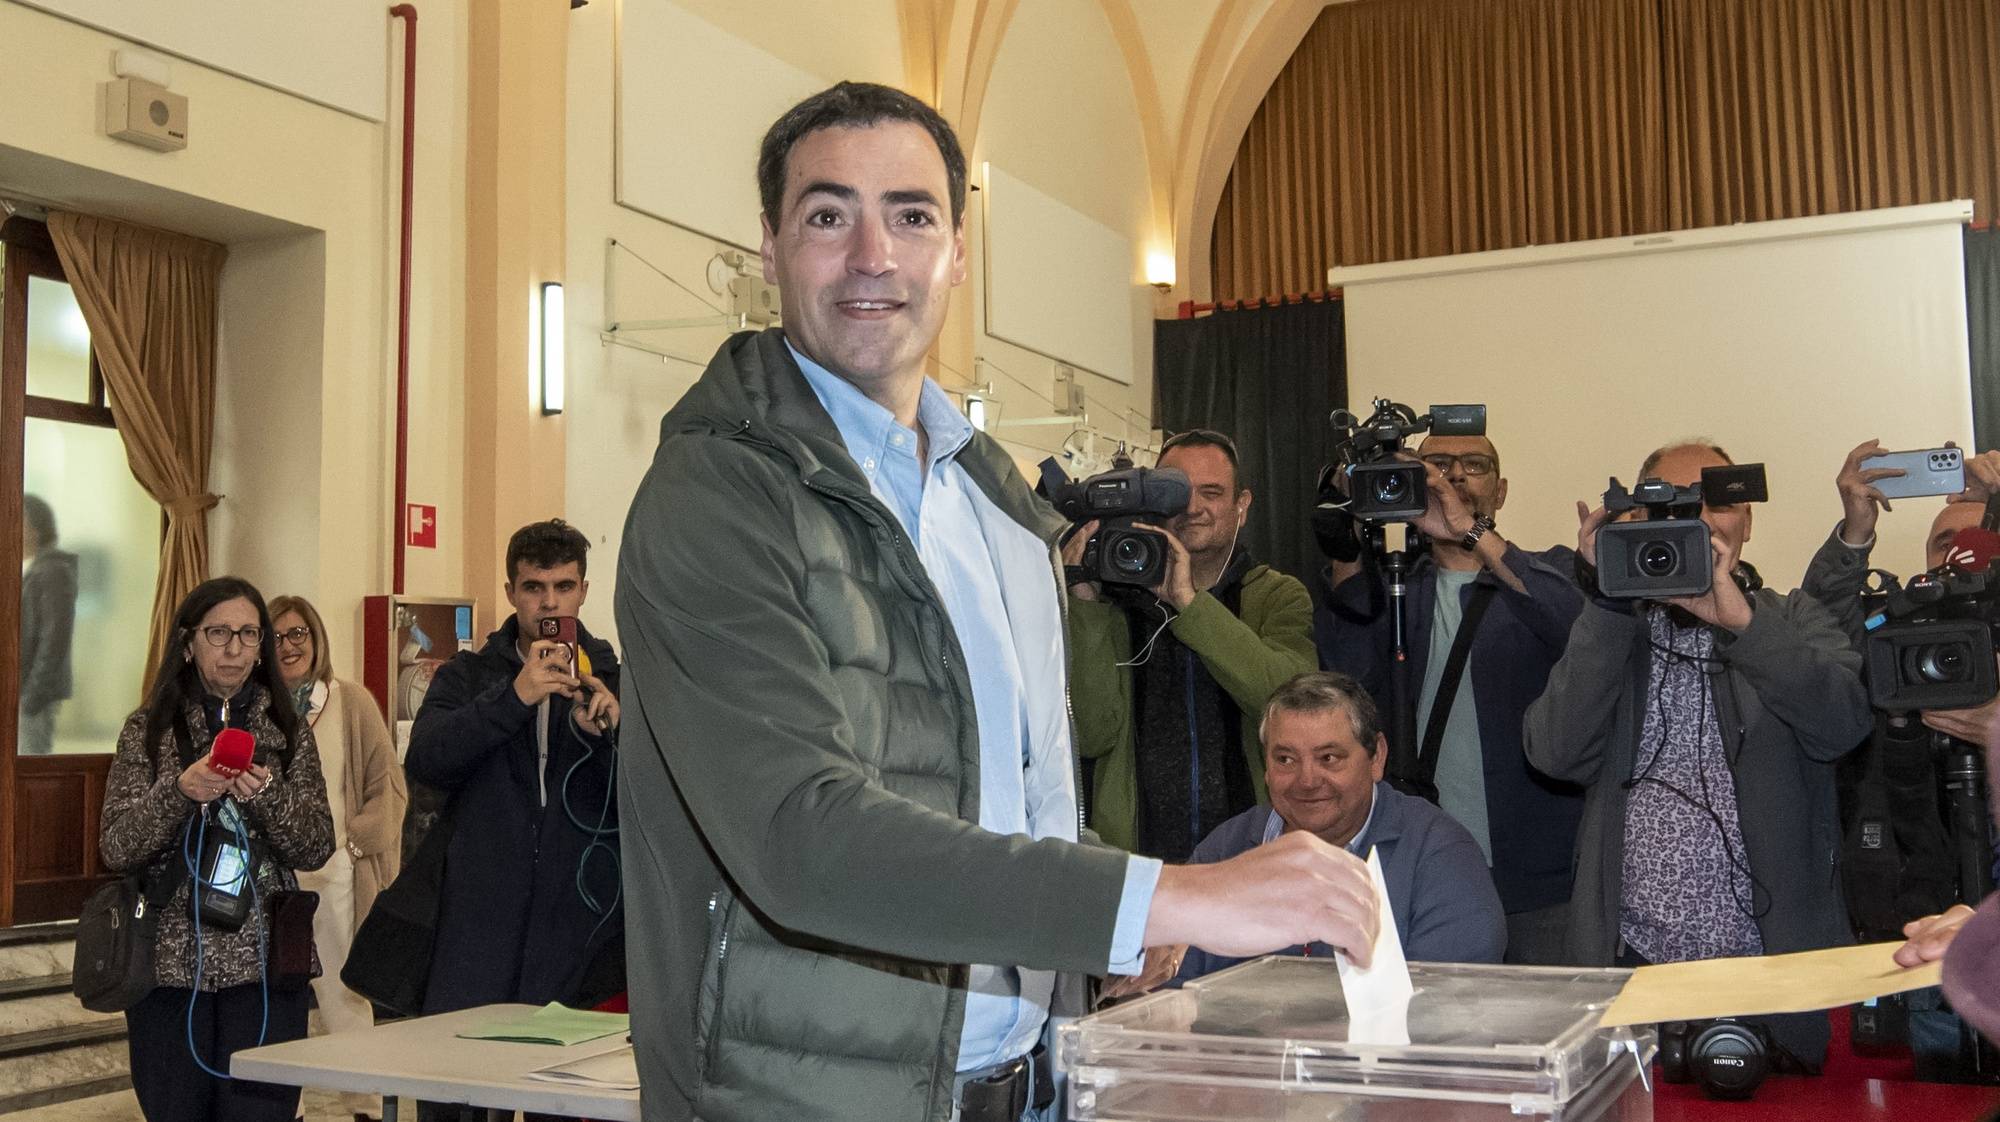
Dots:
pixel 552 348
pixel 1160 269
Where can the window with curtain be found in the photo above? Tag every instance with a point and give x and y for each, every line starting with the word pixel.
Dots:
pixel 1415 128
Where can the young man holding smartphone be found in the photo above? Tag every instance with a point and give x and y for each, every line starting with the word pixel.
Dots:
pixel 521 737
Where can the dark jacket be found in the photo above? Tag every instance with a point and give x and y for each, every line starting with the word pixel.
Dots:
pixel 1789 705
pixel 1531 818
pixel 1439 889
pixel 147 819
pixel 1248 653
pixel 48 616
pixel 801 775
pixel 512 925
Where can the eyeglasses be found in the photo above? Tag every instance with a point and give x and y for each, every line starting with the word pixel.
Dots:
pixel 220 636
pixel 1472 463
pixel 296 637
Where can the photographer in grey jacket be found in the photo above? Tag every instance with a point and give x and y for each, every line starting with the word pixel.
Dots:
pixel 1705 729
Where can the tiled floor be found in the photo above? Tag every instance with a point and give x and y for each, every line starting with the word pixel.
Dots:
pixel 320 1106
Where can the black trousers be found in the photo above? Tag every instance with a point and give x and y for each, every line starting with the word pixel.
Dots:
pixel 171 1088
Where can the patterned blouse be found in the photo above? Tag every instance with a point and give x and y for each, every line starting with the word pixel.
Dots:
pixel 147 820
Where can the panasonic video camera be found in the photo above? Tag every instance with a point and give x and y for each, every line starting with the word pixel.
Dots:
pixel 1119 552
pixel 1666 553
pixel 1929 643
pixel 1366 478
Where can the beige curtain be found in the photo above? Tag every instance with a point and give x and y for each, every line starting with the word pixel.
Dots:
pixel 149 298
pixel 1412 128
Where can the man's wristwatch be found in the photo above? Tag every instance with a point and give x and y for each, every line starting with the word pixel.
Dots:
pixel 1480 525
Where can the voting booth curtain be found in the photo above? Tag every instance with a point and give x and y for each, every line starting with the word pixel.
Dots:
pixel 1267 377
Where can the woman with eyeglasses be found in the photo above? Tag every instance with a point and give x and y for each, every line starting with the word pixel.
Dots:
pixel 169 812
pixel 367 794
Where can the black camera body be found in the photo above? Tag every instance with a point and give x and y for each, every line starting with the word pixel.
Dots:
pixel 1378 486
pixel 1667 553
pixel 1930 643
pixel 1119 552
pixel 1725 1057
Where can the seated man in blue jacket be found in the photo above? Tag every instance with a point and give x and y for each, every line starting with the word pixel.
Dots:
pixel 521 737
pixel 1324 753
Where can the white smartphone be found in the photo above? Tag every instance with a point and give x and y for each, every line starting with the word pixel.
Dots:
pixel 1928 471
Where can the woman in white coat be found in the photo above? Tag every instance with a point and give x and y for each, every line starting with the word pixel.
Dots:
pixel 367 793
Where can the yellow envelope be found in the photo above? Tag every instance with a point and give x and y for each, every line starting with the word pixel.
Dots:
pixel 1785 983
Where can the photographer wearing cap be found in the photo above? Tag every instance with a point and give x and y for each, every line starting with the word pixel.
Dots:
pixel 1487 622
pixel 1169 684
pixel 1705 727
pixel 522 735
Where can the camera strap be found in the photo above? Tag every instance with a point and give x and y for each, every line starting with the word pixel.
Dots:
pixel 1425 776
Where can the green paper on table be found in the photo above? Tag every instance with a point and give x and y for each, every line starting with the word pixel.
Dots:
pixel 552 1024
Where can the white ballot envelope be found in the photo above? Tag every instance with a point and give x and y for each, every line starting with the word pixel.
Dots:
pixel 1378 998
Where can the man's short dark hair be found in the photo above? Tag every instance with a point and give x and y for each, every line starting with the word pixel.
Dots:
pixel 1660 453
pixel 853 105
pixel 1322 691
pixel 1208 438
pixel 36 512
pixel 547 545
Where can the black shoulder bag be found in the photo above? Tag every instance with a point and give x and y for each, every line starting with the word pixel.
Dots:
pixel 1420 776
pixel 115 938
pixel 390 961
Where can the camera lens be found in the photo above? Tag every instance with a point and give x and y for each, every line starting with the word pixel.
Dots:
pixel 1131 554
pixel 1392 488
pixel 1657 558
pixel 1938 663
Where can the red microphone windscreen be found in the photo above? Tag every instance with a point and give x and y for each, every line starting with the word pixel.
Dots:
pixel 1973 549
pixel 231 752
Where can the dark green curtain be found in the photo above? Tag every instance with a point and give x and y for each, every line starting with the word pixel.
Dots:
pixel 1268 377
pixel 1982 322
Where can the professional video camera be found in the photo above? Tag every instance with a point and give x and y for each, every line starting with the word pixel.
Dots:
pixel 1667 552
pixel 1930 643
pixel 1366 479
pixel 1119 552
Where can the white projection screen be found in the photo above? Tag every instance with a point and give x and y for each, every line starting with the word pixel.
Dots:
pixel 1786 342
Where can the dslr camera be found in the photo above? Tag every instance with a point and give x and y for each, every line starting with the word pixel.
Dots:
pixel 1366 479
pixel 1120 553
pixel 1666 553
pixel 1929 643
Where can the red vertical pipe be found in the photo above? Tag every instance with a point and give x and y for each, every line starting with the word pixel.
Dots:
pixel 407 13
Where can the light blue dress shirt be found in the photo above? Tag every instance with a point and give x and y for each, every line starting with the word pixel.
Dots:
pixel 976 556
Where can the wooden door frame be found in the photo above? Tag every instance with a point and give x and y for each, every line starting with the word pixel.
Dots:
pixel 28 255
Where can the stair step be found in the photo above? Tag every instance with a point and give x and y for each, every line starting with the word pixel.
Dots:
pixel 38 1042
pixel 46 1012
pixel 64 1073
pixel 38 933
pixel 34 959
pixel 12 988
pixel 61 1100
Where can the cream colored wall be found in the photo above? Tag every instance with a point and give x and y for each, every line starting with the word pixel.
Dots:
pixel 1059 111
pixel 1060 114
pixel 260 164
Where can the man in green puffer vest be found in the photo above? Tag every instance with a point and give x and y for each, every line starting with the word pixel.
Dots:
pixel 1169 683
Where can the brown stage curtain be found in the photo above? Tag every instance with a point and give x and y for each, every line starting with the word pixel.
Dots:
pixel 149 298
pixel 1412 128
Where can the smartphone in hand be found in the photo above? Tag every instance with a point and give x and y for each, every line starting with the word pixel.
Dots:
pixel 1926 471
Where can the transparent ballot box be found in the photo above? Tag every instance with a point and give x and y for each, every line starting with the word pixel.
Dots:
pixel 1268 1040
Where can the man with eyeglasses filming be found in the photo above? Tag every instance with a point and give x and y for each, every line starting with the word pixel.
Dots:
pixel 1168 688
pixel 1487 621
